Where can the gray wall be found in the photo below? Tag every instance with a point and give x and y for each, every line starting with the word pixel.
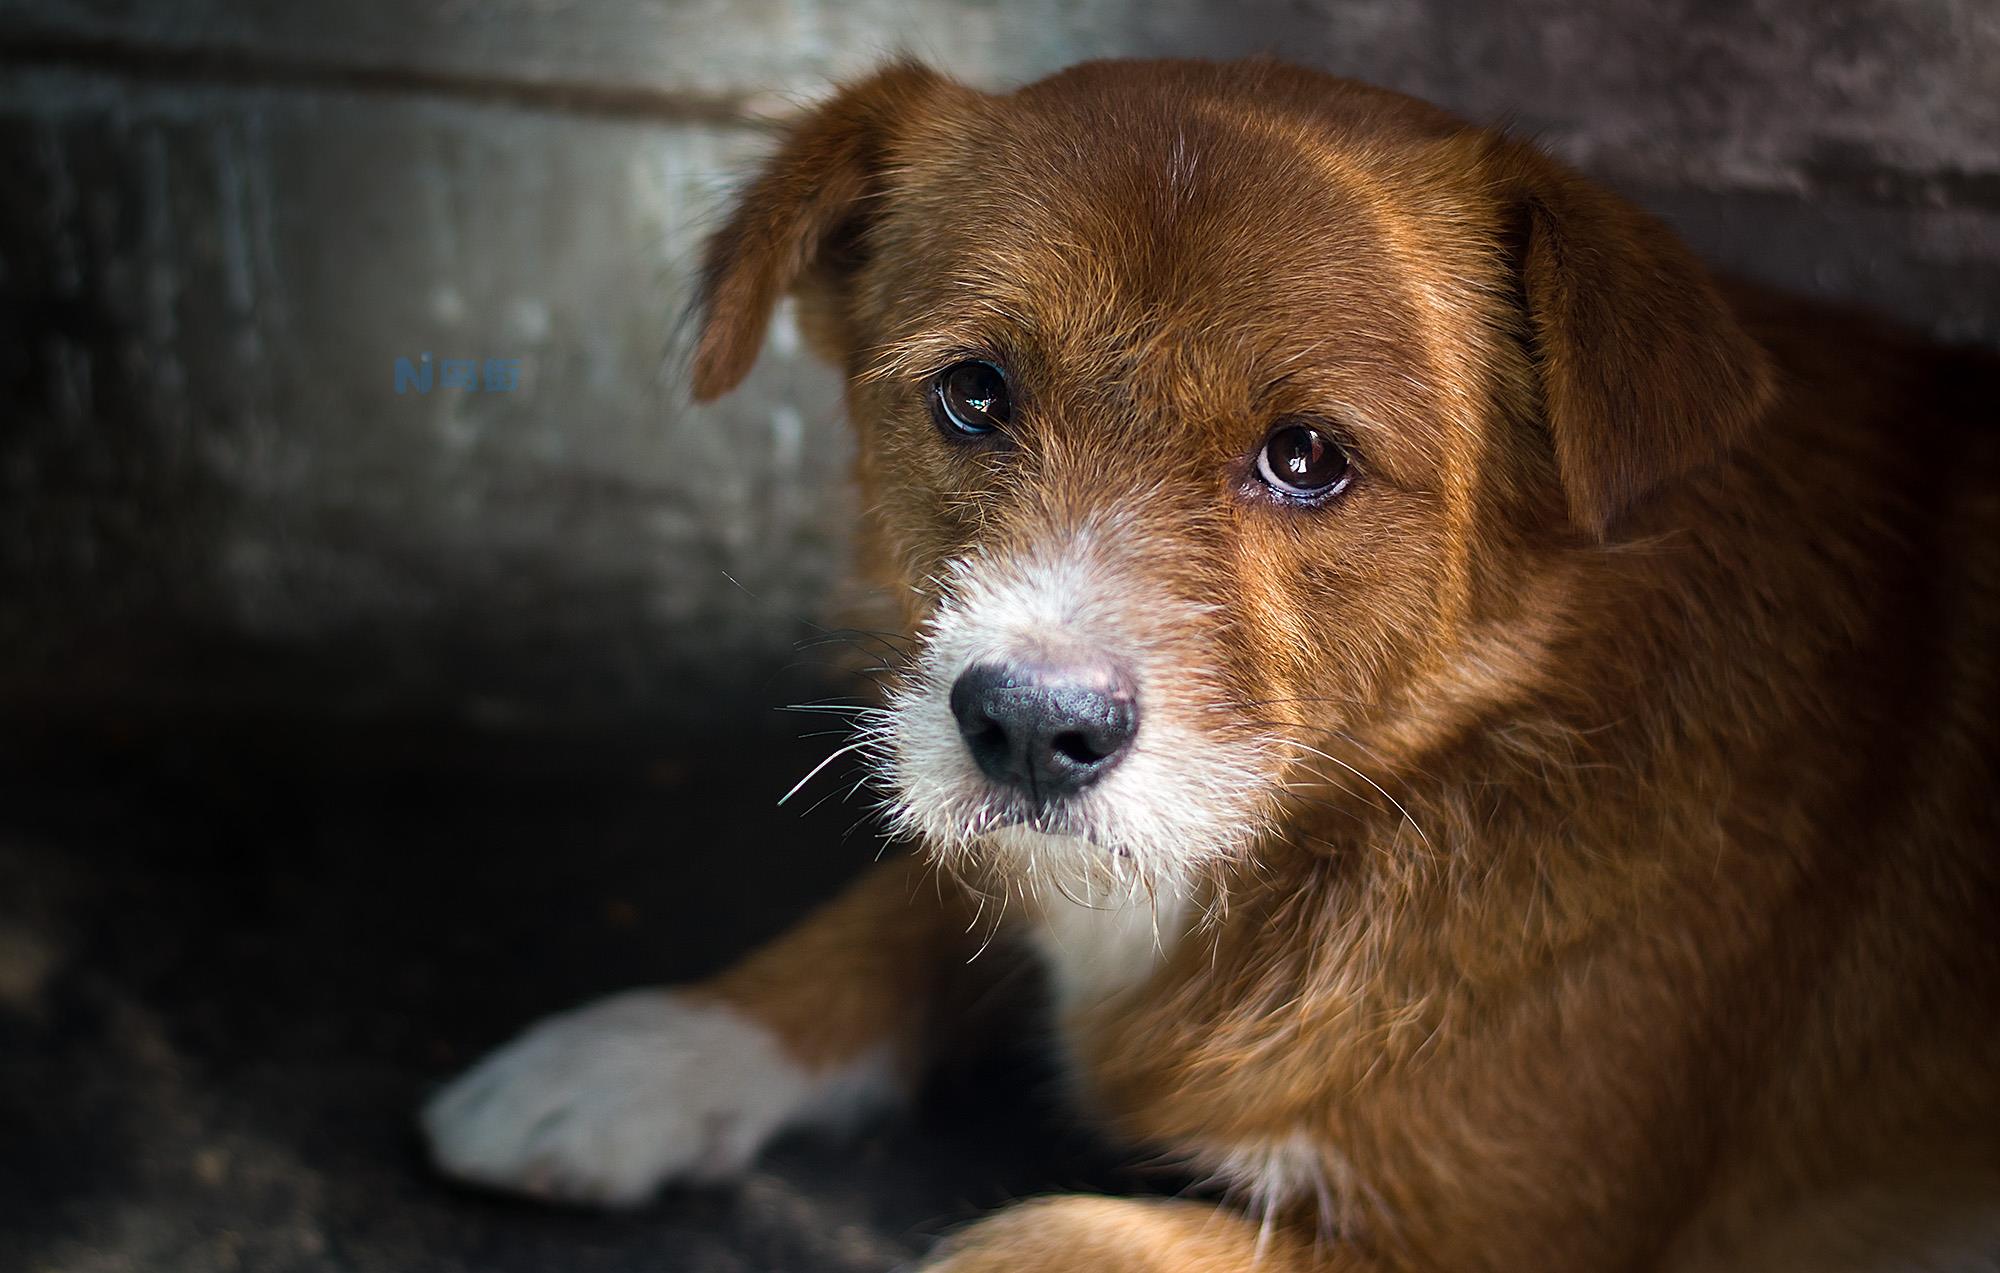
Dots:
pixel 222 223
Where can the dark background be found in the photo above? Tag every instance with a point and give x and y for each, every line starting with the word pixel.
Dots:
pixel 342 731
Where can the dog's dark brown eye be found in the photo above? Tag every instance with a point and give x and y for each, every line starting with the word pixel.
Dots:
pixel 1299 461
pixel 970 398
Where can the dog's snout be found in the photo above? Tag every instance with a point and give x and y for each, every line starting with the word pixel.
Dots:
pixel 1048 730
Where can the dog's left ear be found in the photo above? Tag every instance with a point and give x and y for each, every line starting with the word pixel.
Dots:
pixel 803 214
pixel 1645 372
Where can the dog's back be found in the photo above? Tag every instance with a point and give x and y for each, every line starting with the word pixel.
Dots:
pixel 1866 534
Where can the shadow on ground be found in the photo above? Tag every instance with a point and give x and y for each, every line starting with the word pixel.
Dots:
pixel 233 962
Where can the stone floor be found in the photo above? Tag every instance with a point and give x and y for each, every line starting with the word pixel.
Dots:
pixel 232 962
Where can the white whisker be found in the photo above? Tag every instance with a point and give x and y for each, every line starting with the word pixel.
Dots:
pixel 811 773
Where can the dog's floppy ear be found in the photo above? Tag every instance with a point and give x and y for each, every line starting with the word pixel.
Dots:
pixel 801 208
pixel 1645 372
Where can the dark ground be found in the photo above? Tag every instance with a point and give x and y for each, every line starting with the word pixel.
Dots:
pixel 232 962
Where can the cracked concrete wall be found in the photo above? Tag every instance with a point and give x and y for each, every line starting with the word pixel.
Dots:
pixel 224 223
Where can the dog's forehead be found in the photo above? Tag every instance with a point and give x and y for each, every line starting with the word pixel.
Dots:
pixel 1149 202
pixel 1213 245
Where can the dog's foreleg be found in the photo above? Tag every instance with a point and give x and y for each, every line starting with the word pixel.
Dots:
pixel 605 1103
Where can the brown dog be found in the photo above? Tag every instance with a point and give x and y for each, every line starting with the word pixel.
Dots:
pixel 1491 732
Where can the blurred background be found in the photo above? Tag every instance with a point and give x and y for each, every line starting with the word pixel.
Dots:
pixel 388 650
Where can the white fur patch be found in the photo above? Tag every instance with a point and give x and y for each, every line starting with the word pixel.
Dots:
pixel 1265 1177
pixel 1097 933
pixel 606 1103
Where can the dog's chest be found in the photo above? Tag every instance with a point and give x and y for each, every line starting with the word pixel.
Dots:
pixel 1098 947
pixel 1094 954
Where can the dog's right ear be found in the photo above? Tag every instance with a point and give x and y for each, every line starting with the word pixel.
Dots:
pixel 803 209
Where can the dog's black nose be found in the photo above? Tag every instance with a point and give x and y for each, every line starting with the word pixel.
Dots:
pixel 1049 730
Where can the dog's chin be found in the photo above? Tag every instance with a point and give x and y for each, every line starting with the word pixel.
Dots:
pixel 1030 839
pixel 1073 865
pixel 1155 824
pixel 1062 851
pixel 1022 841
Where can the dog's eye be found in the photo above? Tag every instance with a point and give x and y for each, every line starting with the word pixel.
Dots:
pixel 970 398
pixel 1299 461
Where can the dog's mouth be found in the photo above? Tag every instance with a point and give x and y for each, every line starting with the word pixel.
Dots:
pixel 1056 823
pixel 1010 829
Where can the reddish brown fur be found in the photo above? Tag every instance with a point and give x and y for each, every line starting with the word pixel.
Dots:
pixel 1665 616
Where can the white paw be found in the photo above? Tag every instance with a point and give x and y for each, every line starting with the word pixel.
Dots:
pixel 606 1103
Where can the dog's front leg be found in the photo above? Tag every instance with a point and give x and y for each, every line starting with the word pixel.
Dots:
pixel 1081 1234
pixel 605 1103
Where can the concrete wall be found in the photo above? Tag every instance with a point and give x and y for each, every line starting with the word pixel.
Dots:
pixel 223 223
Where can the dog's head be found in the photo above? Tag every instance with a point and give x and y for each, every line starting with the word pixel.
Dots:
pixel 1224 427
